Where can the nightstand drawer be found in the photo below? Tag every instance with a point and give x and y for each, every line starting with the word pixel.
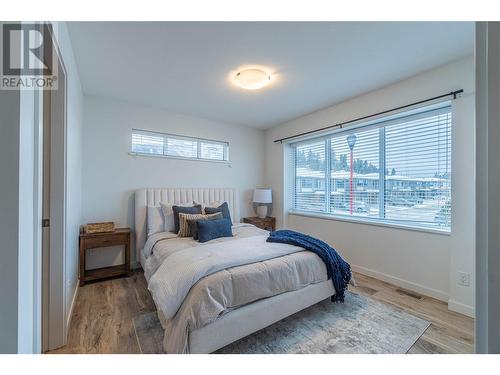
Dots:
pixel 104 241
pixel 267 223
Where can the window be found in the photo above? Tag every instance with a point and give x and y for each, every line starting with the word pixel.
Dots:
pixel 159 144
pixel 395 170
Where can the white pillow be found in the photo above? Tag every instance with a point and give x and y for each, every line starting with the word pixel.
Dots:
pixel 156 222
pixel 168 214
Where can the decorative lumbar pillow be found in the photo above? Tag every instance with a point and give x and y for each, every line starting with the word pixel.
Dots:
pixel 168 214
pixel 193 227
pixel 184 210
pixel 156 221
pixel 224 208
pixel 186 230
pixel 212 229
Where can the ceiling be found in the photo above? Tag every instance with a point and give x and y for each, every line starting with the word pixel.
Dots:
pixel 186 67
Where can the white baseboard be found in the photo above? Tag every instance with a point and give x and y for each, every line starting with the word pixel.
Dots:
pixel 461 308
pixel 424 290
pixel 70 312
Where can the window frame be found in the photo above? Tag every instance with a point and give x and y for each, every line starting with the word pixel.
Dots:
pixel 381 123
pixel 167 136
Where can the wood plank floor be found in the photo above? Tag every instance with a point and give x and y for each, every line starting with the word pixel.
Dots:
pixel 449 331
pixel 103 313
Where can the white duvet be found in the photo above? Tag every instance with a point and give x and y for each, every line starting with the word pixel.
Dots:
pixel 173 280
pixel 192 284
pixel 161 245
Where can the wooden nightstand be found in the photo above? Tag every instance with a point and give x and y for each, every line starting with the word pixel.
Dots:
pixel 268 223
pixel 120 236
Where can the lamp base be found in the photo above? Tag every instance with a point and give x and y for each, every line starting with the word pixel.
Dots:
pixel 262 211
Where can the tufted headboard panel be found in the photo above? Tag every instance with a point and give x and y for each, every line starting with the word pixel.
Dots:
pixel 153 196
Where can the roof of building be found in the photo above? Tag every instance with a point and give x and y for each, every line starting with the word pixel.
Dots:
pixel 306 172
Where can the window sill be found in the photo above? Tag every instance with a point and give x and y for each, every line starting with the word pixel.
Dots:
pixel 135 154
pixel 366 221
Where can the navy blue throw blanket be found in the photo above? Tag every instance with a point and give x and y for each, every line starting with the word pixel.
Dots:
pixel 336 268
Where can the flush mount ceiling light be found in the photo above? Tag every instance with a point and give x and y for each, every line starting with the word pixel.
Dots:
pixel 252 79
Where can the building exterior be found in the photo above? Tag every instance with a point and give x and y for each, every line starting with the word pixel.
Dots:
pixel 399 190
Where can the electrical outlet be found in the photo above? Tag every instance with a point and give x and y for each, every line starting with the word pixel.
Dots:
pixel 464 279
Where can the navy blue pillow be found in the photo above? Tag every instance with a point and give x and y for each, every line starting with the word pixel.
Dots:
pixel 224 208
pixel 212 229
pixel 184 210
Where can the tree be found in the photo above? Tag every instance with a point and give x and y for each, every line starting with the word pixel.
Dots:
pixel 363 166
pixel 343 163
pixel 314 162
pixel 333 161
pixel 301 158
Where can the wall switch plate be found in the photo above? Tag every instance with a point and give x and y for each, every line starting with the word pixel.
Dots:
pixel 463 278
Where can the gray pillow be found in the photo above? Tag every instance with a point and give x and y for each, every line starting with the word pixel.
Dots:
pixel 185 210
pixel 193 227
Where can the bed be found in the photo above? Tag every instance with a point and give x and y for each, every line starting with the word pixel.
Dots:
pixel 182 307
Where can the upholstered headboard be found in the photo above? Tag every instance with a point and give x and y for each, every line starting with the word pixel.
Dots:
pixel 153 196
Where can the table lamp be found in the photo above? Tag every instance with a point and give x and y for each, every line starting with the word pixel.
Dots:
pixel 262 197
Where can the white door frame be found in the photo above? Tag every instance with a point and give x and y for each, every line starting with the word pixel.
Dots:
pixel 37 219
pixel 487 324
pixel 56 297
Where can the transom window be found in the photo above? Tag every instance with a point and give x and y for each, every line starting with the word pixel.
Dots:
pixel 397 170
pixel 168 145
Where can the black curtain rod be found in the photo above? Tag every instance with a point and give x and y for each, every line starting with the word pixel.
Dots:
pixel 340 125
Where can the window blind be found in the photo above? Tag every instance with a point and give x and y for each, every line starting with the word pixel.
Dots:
pixel 213 151
pixel 160 144
pixel 418 162
pixel 145 143
pixel 365 186
pixel 181 147
pixel 310 173
pixel 393 171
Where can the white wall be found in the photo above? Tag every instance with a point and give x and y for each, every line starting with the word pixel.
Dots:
pixel 418 261
pixel 462 241
pixel 111 175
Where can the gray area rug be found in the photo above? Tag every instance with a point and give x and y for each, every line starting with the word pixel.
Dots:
pixel 361 325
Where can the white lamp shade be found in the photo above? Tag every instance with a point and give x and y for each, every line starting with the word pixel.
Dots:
pixel 262 196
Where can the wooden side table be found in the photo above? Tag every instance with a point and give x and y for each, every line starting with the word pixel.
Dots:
pixel 268 223
pixel 120 236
